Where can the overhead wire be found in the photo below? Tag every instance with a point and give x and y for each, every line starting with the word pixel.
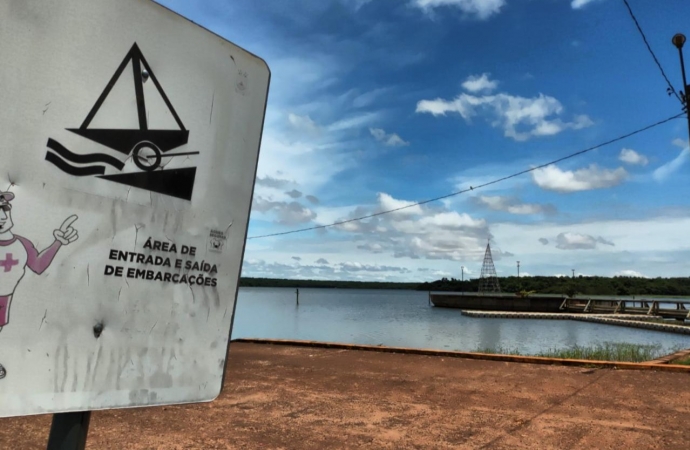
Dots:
pixel 671 89
pixel 479 186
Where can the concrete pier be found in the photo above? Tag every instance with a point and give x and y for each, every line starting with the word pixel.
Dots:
pixel 676 308
pixel 498 302
pixel 626 320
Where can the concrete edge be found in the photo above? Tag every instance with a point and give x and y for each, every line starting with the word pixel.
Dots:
pixel 469 355
pixel 668 358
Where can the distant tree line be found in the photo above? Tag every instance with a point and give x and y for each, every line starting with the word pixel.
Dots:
pixel 580 285
pixel 277 282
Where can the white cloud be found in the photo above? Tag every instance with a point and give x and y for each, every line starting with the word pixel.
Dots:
pixel 554 179
pixel 577 241
pixel 296 152
pixel 513 205
pixel 629 273
pixel 520 117
pixel 298 160
pixel 302 123
pixel 652 237
pixel 650 246
pixel 442 274
pixel 419 232
pixel 371 247
pixel 272 182
pixel 360 3
pixel 322 270
pixel 579 4
pixel 452 220
pixel 482 9
pixel 473 176
pixel 632 157
pixel 354 121
pixel 680 143
pixel 388 203
pixel 390 140
pixel 367 98
pixel 297 73
pixel 663 172
pixel 299 155
pixel 479 83
pixel 358 267
pixel 287 213
pixel 525 208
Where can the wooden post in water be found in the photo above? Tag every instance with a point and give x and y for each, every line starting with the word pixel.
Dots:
pixel 297 294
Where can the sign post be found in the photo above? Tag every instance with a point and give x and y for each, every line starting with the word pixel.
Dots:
pixel 69 430
pixel 130 141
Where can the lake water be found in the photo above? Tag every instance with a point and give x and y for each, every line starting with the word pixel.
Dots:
pixel 405 319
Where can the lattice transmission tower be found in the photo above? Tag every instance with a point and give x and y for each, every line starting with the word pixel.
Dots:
pixel 489 280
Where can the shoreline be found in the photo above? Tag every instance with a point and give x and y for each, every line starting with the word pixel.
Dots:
pixel 523 359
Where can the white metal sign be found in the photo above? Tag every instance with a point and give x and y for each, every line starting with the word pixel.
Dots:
pixel 130 139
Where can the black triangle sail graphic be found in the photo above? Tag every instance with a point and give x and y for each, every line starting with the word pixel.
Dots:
pixel 146 147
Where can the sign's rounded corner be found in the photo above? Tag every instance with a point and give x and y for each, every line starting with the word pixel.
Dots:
pixel 214 395
pixel 266 66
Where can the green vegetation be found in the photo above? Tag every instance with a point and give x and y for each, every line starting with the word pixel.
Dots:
pixel 683 361
pixel 276 282
pixel 524 286
pixel 608 351
pixel 525 294
pixel 571 286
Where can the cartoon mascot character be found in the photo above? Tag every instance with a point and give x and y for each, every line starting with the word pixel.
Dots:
pixel 17 253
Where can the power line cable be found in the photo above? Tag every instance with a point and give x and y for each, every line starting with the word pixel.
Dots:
pixel 671 89
pixel 472 188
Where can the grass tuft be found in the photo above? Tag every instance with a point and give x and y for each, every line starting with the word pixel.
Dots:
pixel 607 351
pixel 683 361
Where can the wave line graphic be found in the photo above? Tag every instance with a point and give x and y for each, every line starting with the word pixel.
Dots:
pixel 75 171
pixel 84 159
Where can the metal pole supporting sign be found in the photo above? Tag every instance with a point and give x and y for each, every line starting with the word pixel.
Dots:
pixel 69 430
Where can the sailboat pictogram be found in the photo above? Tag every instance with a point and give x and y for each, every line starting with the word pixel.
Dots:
pixel 147 147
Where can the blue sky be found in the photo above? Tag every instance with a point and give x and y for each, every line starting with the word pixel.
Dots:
pixel 375 104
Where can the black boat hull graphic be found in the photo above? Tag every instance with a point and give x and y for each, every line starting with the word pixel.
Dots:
pixel 174 182
pixel 130 141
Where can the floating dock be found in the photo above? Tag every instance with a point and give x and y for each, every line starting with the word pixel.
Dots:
pixel 678 309
pixel 624 320
pixel 498 302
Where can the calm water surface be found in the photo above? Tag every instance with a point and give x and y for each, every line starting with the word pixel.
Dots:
pixel 405 319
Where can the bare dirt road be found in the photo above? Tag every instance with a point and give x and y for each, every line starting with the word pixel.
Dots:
pixel 285 397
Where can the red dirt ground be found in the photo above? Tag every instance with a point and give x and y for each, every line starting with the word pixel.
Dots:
pixel 285 397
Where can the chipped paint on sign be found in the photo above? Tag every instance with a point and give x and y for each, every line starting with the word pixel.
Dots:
pixel 130 145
